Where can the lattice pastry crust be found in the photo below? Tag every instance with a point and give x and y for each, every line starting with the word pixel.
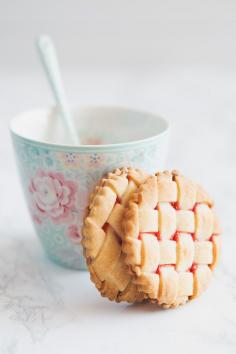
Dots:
pixel 103 234
pixel 171 238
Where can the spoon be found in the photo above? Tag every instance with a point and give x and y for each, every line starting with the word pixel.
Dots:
pixel 50 64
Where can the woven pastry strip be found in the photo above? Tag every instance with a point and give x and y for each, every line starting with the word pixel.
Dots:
pixel 171 238
pixel 103 234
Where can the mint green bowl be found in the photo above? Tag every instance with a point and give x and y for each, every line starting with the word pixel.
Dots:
pixel 57 178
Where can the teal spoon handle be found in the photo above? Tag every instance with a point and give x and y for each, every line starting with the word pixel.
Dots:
pixel 49 60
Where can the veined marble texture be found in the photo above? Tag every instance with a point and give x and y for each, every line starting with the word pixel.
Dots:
pixel 45 308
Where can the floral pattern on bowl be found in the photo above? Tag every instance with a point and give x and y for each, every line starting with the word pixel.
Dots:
pixel 57 182
pixel 53 197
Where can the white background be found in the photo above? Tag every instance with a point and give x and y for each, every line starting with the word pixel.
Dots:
pixel 176 58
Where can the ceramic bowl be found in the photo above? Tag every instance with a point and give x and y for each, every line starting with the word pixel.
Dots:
pixel 57 177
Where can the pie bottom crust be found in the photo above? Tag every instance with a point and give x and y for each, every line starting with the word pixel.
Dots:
pixel 103 235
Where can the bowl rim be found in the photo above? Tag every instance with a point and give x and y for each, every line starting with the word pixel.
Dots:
pixel 95 148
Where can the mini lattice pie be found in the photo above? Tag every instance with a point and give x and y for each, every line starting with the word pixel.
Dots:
pixel 171 239
pixel 103 233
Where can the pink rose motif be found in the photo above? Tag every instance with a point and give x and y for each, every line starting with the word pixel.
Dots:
pixel 73 233
pixel 53 196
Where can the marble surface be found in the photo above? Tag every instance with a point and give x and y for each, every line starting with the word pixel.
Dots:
pixel 48 309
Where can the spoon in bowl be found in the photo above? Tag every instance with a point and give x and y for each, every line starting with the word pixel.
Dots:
pixel 50 64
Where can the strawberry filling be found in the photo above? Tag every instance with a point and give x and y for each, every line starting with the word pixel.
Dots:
pixel 193 268
pixel 154 233
pixel 211 238
pixel 175 237
pixel 175 205
pixel 193 235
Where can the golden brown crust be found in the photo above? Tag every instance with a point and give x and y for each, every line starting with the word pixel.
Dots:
pixel 103 233
pixel 171 259
pixel 131 226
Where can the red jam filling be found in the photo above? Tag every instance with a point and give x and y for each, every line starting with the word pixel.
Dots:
pixel 193 268
pixel 193 236
pixel 211 238
pixel 154 233
pixel 175 237
pixel 175 205
pixel 198 203
pixel 194 207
